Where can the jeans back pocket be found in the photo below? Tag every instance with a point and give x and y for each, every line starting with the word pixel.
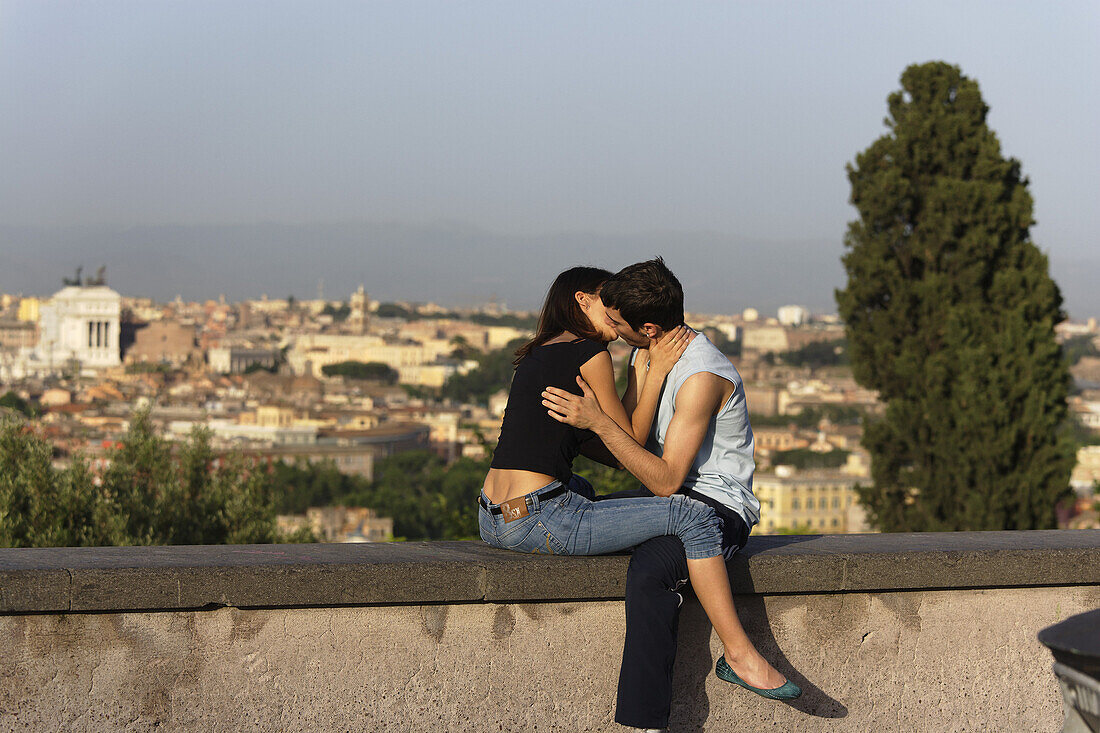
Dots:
pixel 515 537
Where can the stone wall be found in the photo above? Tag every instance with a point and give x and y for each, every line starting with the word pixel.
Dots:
pixel 884 632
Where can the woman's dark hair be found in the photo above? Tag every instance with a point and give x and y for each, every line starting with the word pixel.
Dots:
pixel 561 311
pixel 646 292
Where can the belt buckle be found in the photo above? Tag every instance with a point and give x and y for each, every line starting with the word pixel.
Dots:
pixel 514 509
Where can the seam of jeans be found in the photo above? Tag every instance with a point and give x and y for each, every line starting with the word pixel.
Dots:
pixel 560 545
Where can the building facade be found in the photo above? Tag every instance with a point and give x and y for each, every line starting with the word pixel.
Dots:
pixel 820 501
pixel 237 359
pixel 162 342
pixel 81 323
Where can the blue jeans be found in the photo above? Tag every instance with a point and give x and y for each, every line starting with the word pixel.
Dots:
pixel 571 524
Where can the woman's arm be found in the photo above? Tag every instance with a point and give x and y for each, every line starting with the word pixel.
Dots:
pixel 600 375
pixel 663 355
pixel 635 376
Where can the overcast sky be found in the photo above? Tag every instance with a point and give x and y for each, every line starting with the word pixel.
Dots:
pixel 516 122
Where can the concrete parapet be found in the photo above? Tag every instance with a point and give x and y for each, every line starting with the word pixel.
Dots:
pixel 884 632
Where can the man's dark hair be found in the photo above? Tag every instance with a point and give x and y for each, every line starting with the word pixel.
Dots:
pixel 647 292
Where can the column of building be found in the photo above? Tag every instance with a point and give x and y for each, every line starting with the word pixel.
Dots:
pixel 98 334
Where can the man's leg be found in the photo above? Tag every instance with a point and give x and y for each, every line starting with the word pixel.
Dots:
pixel 657 568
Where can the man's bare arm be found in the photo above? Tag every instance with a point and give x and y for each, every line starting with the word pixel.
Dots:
pixel 696 402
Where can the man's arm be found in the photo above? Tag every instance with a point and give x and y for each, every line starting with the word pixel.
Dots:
pixel 696 402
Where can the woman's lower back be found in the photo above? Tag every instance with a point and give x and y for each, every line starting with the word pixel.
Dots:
pixel 502 484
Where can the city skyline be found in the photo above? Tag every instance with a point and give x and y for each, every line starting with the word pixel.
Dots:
pixel 720 273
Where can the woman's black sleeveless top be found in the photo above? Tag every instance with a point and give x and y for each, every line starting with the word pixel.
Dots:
pixel 531 440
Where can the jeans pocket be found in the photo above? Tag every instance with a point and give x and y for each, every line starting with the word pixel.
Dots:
pixel 507 532
pixel 551 545
pixel 518 538
pixel 536 540
pixel 558 521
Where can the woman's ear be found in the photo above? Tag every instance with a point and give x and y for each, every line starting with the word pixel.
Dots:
pixel 583 298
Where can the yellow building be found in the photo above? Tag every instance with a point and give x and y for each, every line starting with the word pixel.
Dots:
pixel 427 375
pixel 820 500
pixel 274 416
pixel 340 524
pixel 765 338
pixel 1087 471
pixel 312 352
pixel 28 310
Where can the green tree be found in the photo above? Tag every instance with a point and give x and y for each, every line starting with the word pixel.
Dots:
pixel 12 401
pixel 818 354
pixel 372 371
pixel 811 417
pixel 1075 349
pixel 494 372
pixel 528 322
pixel 807 459
pixel 140 469
pixel 427 499
pixel 950 313
pixel 463 349
pixel 796 529
pixel 339 313
pixel 189 496
pixel 148 494
pixel 153 367
pixel 41 506
pixel 302 484
pixel 395 310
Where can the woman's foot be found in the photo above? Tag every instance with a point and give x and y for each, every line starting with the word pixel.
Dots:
pixel 786 690
pixel 755 670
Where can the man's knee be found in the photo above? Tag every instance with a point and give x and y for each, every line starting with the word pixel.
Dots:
pixel 657 563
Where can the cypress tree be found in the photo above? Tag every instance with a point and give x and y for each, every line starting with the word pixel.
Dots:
pixel 950 314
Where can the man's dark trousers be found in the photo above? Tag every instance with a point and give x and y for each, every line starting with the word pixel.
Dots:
pixel 658 567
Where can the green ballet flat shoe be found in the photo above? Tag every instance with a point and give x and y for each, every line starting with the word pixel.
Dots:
pixel 787 691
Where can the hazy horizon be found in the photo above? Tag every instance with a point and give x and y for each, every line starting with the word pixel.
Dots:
pixel 435 151
pixel 720 273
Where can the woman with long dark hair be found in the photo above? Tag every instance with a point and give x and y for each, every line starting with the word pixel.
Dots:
pixel 571 338
pixel 531 502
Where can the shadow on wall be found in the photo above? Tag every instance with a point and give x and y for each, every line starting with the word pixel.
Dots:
pixel 695 665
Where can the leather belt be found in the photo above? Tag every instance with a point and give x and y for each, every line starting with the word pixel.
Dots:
pixel 544 496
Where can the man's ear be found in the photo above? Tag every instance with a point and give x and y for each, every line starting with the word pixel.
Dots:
pixel 652 330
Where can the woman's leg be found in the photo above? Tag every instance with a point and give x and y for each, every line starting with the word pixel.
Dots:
pixel 711 583
pixel 586 527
